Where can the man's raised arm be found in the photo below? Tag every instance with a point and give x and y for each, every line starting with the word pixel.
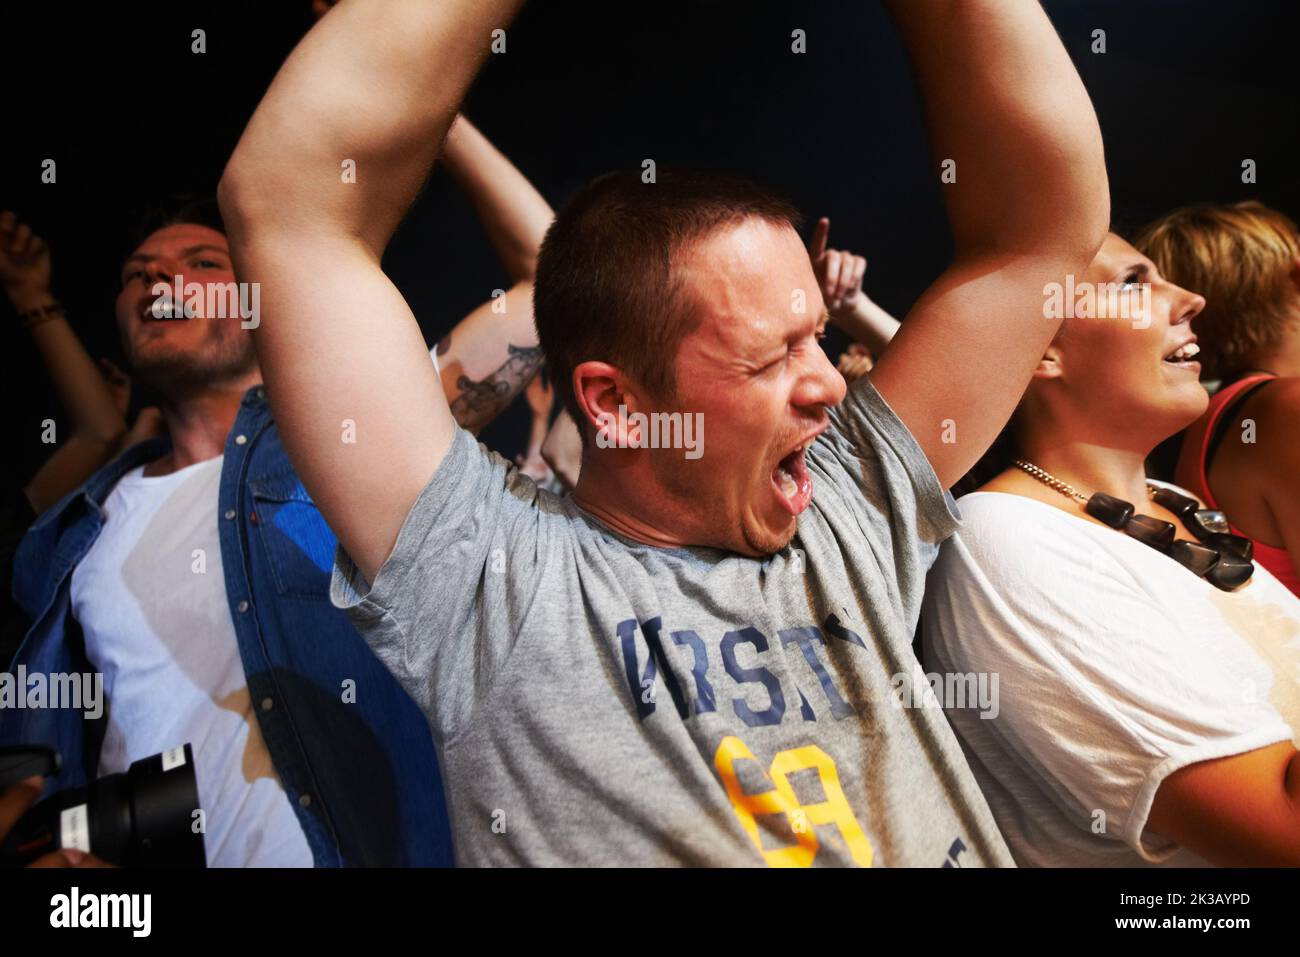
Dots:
pixel 513 213
pixel 1030 204
pixel 331 160
pixel 492 354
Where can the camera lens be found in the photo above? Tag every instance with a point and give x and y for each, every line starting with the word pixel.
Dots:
pixel 148 816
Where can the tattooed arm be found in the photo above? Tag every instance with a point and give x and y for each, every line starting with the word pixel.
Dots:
pixel 477 401
pixel 489 358
pixel 492 354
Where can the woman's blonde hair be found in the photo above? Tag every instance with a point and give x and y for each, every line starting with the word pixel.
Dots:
pixel 1239 256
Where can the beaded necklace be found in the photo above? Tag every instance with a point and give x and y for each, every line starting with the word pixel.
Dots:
pixel 1222 558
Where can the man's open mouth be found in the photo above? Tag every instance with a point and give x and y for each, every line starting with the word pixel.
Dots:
pixel 162 309
pixel 792 480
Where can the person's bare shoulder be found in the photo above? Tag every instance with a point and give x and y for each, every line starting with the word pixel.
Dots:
pixel 1269 424
pixel 1277 403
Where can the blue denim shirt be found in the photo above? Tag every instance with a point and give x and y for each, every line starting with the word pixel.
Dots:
pixel 353 751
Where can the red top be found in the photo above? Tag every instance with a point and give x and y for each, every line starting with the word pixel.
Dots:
pixel 1193 473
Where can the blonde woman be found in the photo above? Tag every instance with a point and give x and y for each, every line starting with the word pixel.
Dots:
pixel 1243 454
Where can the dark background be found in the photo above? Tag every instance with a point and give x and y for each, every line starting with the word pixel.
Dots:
pixel 1186 90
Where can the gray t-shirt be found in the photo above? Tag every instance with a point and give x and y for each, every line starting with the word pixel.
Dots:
pixel 597 701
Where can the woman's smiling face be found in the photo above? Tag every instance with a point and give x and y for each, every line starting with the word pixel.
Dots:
pixel 1128 357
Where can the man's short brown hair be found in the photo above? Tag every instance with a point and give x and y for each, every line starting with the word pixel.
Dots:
pixel 607 288
pixel 1238 256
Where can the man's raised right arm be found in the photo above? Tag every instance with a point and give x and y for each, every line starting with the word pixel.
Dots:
pixel 1028 204
pixel 331 160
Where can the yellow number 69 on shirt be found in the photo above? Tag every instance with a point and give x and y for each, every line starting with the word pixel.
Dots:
pixel 803 818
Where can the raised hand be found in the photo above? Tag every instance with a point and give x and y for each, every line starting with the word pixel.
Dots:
pixel 24 263
pixel 839 272
pixel 840 275
pixel 855 362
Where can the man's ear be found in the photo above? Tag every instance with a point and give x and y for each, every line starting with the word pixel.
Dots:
pixel 1295 273
pixel 602 390
pixel 1050 366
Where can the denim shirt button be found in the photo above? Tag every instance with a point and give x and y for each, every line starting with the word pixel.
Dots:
pixel 242 606
pixel 241 440
pixel 230 514
pixel 304 800
pixel 266 704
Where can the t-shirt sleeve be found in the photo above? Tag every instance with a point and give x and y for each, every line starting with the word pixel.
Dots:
pixel 874 469
pixel 443 612
pixel 1099 695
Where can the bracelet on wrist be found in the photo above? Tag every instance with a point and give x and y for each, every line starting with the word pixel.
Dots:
pixel 46 313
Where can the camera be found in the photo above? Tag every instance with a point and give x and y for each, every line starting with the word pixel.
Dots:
pixel 147 816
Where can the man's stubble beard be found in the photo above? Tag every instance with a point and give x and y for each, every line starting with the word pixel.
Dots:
pixel 681 481
pixel 767 549
pixel 178 373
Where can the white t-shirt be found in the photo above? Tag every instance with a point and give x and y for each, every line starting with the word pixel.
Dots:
pixel 1116 666
pixel 151 599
